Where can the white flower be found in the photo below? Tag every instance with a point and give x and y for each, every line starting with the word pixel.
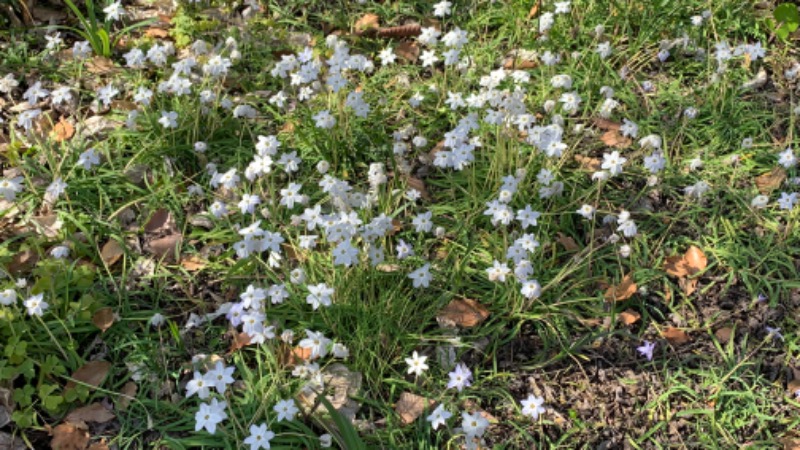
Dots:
pixel 532 406
pixel 531 289
pixel 439 416
pixel 169 119
pixel 36 305
pixel 210 415
pixel 474 424
pixel 422 276
pixel 320 294
pixel 325 440
pixel 787 158
pixel 220 377
pixel 198 385
pixel 428 58
pixel 613 162
pixel 286 410
pixel 587 211
pixel 259 437
pixel 787 200
pixel 442 8
pixel 604 49
pixel 759 201
pixel 114 11
pixel 8 297
pixel 324 119
pixel 60 252
pixel 89 159
pixel 416 364
pixel 317 342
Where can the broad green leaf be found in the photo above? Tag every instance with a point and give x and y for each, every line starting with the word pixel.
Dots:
pixel 788 17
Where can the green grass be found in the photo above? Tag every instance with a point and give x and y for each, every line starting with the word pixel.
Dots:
pixel 700 394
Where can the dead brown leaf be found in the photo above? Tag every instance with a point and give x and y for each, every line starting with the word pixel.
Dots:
pixel 411 406
pixel 69 436
pixel 102 445
pixel 520 64
pixel 165 247
pixel 111 252
pixel 103 318
pixel 63 130
pixel 623 291
pixel 534 9
pixel 605 124
pixel 613 138
pixel 675 266
pixel 100 65
pixel 464 313
pixel 193 263
pixel 695 260
pixel 238 341
pixel 92 373
pixel 408 51
pixel 768 182
pixel 127 394
pixel 568 242
pixel 675 336
pixel 368 21
pixel 161 222
pixel 156 33
pixel 724 335
pixel 22 262
pixel 629 317
pixel 90 413
pixel 588 163
pixel 688 285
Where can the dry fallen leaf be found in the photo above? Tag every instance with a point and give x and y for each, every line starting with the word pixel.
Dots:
pixel 724 335
pixel 92 373
pixel 90 413
pixel 156 33
pixel 605 124
pixel 238 341
pixel 408 51
pixel 69 436
pixel 534 9
pixel 411 406
pixel 568 242
pixel 111 252
pixel 103 318
pixel 100 65
pixel 23 262
pixel 675 336
pixel 63 130
pixel 613 138
pixel 465 313
pixel 695 260
pixel 368 21
pixel 623 291
pixel 193 263
pixel 161 222
pixel 768 182
pixel 127 394
pixel 675 266
pixel 589 163
pixel 165 247
pixel 629 317
pixel 688 285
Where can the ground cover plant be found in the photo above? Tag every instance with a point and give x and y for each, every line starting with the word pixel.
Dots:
pixel 399 224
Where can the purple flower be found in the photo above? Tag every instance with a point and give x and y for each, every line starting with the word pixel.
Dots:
pixel 647 349
pixel 460 377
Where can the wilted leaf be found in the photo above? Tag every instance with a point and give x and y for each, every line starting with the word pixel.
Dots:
pixel 100 65
pixel 69 436
pixel 22 262
pixel 193 263
pixel 768 182
pixel 408 51
pixel 568 242
pixel 111 252
pixel 160 222
pixel 589 163
pixel 534 9
pixel 724 335
pixel 465 313
pixel 520 64
pixel 688 285
pixel 238 341
pixel 63 130
pixel 165 247
pixel 90 413
pixel 675 266
pixel 623 291
pixel 410 406
pixel 156 33
pixel 127 393
pixel 613 138
pixel 629 317
pixel 368 21
pixel 605 124
pixel 92 373
pixel 695 260
pixel 675 336
pixel 103 318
